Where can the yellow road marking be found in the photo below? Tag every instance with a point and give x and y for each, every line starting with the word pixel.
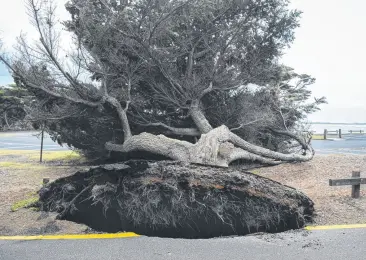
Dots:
pixel 335 227
pixel 82 236
pixel 131 234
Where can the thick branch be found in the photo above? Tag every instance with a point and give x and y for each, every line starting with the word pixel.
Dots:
pixel 240 154
pixel 301 141
pixel 199 118
pixel 161 145
pixel 177 130
pixel 206 91
pixel 122 116
pixel 236 140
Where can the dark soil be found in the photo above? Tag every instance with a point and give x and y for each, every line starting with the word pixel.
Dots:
pixel 172 199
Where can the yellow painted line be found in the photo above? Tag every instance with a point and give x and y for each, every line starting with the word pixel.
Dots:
pixel 335 227
pixel 81 236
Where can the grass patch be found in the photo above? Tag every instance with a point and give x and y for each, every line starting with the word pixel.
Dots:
pixel 7 134
pixel 24 203
pixel 58 156
pixel 16 165
pixel 254 171
pixel 318 137
pixel 49 156
pixel 18 152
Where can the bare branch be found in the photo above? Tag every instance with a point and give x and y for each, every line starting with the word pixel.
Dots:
pixel 52 93
pixel 246 124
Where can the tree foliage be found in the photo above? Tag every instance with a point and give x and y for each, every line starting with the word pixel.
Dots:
pixel 13 102
pixel 180 68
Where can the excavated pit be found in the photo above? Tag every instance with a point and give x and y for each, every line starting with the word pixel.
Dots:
pixel 178 200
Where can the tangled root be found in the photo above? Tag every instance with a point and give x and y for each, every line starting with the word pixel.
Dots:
pixel 177 200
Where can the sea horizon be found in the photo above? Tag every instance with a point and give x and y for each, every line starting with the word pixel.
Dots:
pixel 318 127
pixel 336 123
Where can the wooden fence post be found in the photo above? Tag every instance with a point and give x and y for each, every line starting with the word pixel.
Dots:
pixel 41 153
pixel 45 181
pixel 340 133
pixel 325 134
pixel 356 188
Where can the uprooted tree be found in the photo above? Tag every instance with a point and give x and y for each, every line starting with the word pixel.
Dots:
pixel 192 80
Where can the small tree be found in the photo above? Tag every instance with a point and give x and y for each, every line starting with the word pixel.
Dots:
pixel 13 102
pixel 183 68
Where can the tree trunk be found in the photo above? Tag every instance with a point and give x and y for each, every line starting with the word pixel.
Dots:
pixel 157 144
pixel 219 147
pixel 6 119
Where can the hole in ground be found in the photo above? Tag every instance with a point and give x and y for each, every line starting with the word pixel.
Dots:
pixel 111 222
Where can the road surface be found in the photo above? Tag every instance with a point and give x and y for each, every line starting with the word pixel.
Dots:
pixel 355 144
pixel 349 144
pixel 27 141
pixel 300 245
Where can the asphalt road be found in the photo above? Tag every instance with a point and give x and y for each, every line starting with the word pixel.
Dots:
pixel 352 144
pixel 300 245
pixel 27 141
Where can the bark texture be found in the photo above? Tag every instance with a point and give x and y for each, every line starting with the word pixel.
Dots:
pixel 219 147
pixel 199 118
pixel 175 199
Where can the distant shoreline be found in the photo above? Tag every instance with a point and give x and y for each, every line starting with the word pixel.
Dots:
pixel 327 123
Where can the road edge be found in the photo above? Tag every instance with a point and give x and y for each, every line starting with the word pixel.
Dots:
pixel 329 227
pixel 74 236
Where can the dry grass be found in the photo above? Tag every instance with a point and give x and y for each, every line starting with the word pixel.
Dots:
pixel 24 203
pixel 58 156
pixel 333 205
pixel 20 178
pixel 11 134
pixel 317 137
pixel 18 165
pixel 48 156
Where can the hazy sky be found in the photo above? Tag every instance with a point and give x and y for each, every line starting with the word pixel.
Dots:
pixel 330 45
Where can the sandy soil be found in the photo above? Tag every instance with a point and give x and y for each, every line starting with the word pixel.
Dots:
pixel 333 205
pixel 21 176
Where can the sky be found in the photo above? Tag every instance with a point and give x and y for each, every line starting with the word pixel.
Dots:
pixel 330 45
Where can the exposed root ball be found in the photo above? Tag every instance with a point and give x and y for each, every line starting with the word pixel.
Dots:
pixel 172 199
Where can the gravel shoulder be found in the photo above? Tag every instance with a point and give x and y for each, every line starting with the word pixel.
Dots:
pixel 333 205
pixel 21 176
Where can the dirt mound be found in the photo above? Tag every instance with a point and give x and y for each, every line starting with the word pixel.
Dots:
pixel 172 199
